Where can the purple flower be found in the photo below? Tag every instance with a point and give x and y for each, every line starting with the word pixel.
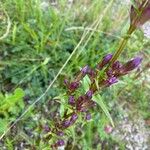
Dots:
pixel 111 81
pixel 116 65
pixel 110 73
pixel 72 100
pixel 73 118
pixel 145 15
pixel 105 61
pixel 74 85
pixel 60 143
pixel 47 128
pixel 80 100
pixel 89 94
pixel 130 65
pixel 91 73
pixel 83 104
pixel 66 82
pixel 88 116
pixel 60 133
pixel 85 70
pixel 66 123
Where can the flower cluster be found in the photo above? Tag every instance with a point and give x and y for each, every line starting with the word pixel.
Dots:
pixel 106 73
pixel 104 76
pixel 118 69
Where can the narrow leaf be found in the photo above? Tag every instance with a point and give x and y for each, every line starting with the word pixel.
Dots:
pixel 98 99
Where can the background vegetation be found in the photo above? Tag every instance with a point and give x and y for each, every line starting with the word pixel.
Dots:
pixel 36 40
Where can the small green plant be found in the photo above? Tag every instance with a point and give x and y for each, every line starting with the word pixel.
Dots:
pixel 10 107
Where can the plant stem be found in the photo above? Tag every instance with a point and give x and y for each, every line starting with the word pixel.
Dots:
pixel 121 45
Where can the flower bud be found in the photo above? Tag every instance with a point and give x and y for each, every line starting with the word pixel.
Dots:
pixel 88 116
pixel 91 73
pixel 60 133
pixel 110 73
pixel 145 15
pixel 73 118
pixel 83 104
pixel 89 94
pixel 60 143
pixel 66 82
pixel 66 123
pixel 130 65
pixel 141 14
pixel 72 100
pixel 47 128
pixel 105 61
pixel 111 81
pixel 74 85
pixel 116 65
pixel 85 70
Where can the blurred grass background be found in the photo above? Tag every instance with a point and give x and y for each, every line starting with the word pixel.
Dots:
pixel 42 35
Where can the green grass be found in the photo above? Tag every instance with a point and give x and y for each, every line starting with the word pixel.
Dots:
pixel 37 45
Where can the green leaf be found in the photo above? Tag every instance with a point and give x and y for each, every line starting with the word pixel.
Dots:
pixel 1 98
pixel 62 108
pixel 3 125
pixel 98 99
pixel 19 93
pixel 86 83
pixel 63 105
pixel 10 100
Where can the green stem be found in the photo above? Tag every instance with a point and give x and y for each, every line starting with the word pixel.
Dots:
pixel 132 28
pixel 121 46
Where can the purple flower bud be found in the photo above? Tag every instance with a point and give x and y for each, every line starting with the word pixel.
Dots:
pixel 83 104
pixel 47 128
pixel 60 143
pixel 80 100
pixel 130 65
pixel 110 73
pixel 116 65
pixel 66 82
pixel 73 118
pixel 141 14
pixel 88 116
pixel 105 61
pixel 145 15
pixel 107 58
pixel 66 123
pixel 89 94
pixel 85 70
pixel 72 100
pixel 60 133
pixel 91 73
pixel 74 85
pixel 111 81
